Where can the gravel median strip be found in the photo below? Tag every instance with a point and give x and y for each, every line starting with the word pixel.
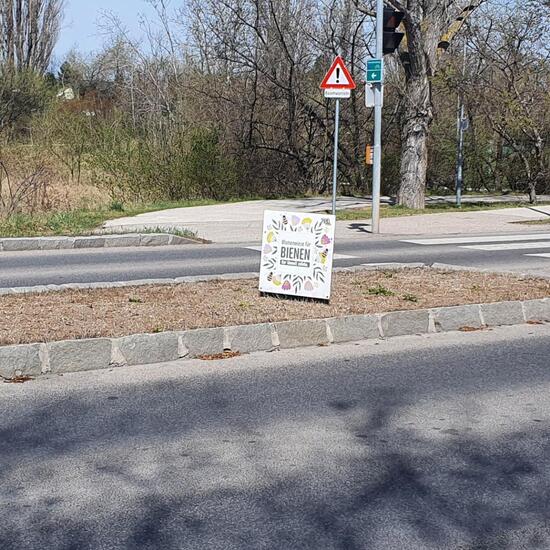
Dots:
pixel 103 353
pixel 103 328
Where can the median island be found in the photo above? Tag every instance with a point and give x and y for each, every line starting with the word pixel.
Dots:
pixel 114 312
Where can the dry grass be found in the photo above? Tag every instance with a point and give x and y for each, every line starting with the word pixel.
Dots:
pixel 54 191
pixel 118 312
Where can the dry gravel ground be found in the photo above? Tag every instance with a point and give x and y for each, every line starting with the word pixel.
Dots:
pixel 123 311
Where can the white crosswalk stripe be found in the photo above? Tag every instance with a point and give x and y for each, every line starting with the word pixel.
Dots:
pixel 475 240
pixel 509 246
pixel 495 243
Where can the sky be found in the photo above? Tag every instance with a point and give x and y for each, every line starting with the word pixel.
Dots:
pixel 80 28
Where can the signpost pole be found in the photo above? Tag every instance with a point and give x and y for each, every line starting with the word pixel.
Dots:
pixel 378 91
pixel 337 85
pixel 460 129
pixel 335 165
pixel 460 156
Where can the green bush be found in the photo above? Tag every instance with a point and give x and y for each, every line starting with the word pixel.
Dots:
pixel 212 173
pixel 22 95
pixel 167 165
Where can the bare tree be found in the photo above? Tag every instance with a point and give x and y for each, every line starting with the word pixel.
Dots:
pixel 264 60
pixel 427 24
pixel 510 87
pixel 28 32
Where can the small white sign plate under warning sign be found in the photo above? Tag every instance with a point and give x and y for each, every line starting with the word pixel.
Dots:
pixel 333 93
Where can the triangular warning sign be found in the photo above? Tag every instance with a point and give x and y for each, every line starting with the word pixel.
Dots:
pixel 338 77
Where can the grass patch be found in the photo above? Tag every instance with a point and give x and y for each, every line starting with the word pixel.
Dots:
pixel 84 221
pixel 398 211
pixel 186 233
pixel 380 290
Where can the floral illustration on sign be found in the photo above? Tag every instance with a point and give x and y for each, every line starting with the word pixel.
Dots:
pixel 310 251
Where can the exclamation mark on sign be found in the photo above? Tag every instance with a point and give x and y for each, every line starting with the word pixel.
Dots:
pixel 337 75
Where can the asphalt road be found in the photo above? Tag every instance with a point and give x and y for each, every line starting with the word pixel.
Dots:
pixel 128 264
pixel 436 442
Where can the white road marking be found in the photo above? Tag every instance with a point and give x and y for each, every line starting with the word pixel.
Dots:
pixel 472 240
pixel 509 246
pixel 542 255
pixel 336 256
pixel 344 257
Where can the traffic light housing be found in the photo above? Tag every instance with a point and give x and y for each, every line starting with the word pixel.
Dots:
pixel 392 37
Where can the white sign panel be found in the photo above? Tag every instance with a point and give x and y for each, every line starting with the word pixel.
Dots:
pixel 337 94
pixel 297 253
pixel 369 95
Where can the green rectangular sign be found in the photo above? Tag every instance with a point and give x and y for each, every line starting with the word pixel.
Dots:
pixel 374 70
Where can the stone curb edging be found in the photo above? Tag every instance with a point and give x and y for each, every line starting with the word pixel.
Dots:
pixel 18 244
pixel 142 349
pixel 38 289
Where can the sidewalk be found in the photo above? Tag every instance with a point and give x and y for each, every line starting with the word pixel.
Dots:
pixel 241 222
pixel 489 221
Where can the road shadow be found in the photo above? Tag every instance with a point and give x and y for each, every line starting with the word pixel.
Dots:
pixel 360 227
pixel 538 211
pixel 330 461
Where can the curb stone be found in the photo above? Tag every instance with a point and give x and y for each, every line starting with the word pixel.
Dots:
pixel 79 355
pixel 20 360
pixel 403 323
pixel 19 244
pixel 236 276
pixel 203 341
pixel 178 280
pixel 354 327
pixel 158 348
pixel 537 310
pixel 295 334
pixel 452 267
pixel 142 349
pixel 457 317
pixel 248 338
pixel 502 313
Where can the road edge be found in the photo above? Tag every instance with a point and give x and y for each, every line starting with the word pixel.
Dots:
pixel 39 289
pixel 142 349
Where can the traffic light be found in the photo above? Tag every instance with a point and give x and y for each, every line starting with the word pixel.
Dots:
pixel 392 37
pixel 456 25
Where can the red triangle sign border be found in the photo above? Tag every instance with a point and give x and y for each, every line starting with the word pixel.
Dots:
pixel 338 62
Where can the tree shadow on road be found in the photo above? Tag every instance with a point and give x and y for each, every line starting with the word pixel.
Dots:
pixel 334 468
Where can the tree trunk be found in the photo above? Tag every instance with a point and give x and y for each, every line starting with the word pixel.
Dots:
pixel 425 22
pixel 532 192
pixel 417 118
pixel 531 181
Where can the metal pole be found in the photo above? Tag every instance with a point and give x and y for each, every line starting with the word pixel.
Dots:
pixel 460 130
pixel 378 91
pixel 460 156
pixel 335 165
